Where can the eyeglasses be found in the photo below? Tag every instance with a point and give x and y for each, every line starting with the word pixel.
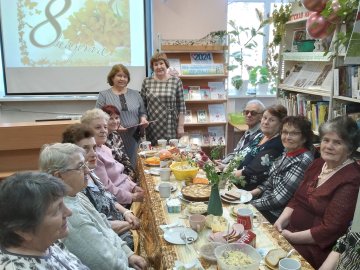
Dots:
pixel 82 167
pixel 291 134
pixel 253 113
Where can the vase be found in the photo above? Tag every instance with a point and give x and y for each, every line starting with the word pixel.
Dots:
pixel 215 205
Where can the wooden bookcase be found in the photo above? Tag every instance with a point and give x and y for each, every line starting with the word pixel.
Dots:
pixel 182 53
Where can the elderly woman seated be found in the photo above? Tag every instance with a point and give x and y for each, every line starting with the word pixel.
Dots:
pixel 110 172
pixel 33 217
pixel 323 205
pixel 90 235
pixel 287 171
pixel 264 149
pixel 120 218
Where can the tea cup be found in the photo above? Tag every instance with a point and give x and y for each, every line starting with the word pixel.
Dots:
pixel 145 146
pixel 289 264
pixel 165 190
pixel 197 222
pixel 165 174
pixel 162 143
pixel 245 217
pixel 174 142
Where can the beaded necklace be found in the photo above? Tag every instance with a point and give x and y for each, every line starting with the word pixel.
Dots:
pixel 326 173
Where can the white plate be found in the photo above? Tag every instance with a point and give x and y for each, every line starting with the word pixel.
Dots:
pixel 148 153
pixel 186 200
pixel 173 187
pixel 244 198
pixel 154 171
pixel 173 235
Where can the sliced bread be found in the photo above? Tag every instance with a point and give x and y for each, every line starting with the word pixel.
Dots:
pixel 273 257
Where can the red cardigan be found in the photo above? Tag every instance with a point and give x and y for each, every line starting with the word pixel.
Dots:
pixel 326 210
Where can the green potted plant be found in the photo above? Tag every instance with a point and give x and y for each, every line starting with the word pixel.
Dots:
pixel 259 77
pixel 244 39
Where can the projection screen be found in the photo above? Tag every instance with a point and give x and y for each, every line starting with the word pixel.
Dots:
pixel 69 46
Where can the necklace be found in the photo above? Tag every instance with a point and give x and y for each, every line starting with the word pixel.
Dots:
pixel 326 173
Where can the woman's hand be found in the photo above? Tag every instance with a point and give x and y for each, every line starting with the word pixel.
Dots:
pixel 120 226
pixel 121 129
pixel 138 194
pixel 284 219
pixel 301 237
pixel 237 173
pixel 144 122
pixel 133 220
pixel 137 262
pixel 256 192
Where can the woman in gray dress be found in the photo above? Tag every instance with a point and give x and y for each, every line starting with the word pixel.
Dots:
pixel 129 103
pixel 164 101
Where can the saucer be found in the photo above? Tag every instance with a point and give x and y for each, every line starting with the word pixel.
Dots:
pixel 173 235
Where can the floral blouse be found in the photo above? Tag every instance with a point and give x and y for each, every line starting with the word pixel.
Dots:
pixel 349 247
pixel 115 143
pixel 57 258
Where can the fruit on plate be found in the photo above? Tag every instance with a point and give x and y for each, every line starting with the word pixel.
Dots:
pixel 200 180
pixel 154 161
pixel 165 154
pixel 273 257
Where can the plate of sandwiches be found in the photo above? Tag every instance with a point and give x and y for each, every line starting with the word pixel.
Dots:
pixel 235 195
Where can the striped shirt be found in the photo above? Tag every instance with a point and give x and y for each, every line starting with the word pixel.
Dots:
pixel 349 247
pixel 130 117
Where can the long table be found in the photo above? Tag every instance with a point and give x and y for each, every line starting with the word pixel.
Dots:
pixel 162 255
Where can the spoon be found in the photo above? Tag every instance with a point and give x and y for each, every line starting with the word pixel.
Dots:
pixel 184 238
pixel 290 252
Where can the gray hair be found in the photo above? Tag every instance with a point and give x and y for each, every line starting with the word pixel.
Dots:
pixel 93 114
pixel 258 103
pixel 346 128
pixel 56 157
pixel 24 199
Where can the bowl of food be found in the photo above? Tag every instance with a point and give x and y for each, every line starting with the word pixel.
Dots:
pixel 183 170
pixel 237 256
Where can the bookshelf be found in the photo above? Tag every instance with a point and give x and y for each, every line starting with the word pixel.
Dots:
pixel 311 82
pixel 202 69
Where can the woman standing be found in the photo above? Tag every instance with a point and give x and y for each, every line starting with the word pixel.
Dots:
pixel 164 101
pixel 323 205
pixel 285 175
pixel 264 149
pixel 129 103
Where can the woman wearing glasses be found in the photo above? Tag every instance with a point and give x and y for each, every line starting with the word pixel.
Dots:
pixel 129 103
pixel 90 236
pixel 264 149
pixel 121 219
pixel 110 172
pixel 286 172
pixel 324 203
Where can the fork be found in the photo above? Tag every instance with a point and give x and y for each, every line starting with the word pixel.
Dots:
pixel 184 238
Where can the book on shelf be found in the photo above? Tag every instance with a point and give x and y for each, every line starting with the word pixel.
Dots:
pixel 217 113
pixel 217 135
pixel 188 116
pixel 195 138
pixel 299 34
pixel 201 116
pixel 205 92
pixel 202 69
pixel 217 90
pixel 206 138
pixel 348 81
pixel 194 93
pixel 186 93
pixel 174 66
pixel 312 75
pixel 201 58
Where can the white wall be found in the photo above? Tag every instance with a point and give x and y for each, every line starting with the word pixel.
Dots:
pixel 173 19
pixel 187 19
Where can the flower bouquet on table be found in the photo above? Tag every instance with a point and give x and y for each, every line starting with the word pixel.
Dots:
pixel 217 177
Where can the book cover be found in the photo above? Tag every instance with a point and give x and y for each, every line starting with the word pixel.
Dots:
pixel 201 116
pixel 293 74
pixel 217 133
pixel 196 138
pixel 186 93
pixel 201 58
pixel 217 113
pixel 194 93
pixel 205 92
pixel 298 35
pixel 217 90
pixel 202 69
pixel 324 79
pixel 206 138
pixel 188 116
pixel 174 67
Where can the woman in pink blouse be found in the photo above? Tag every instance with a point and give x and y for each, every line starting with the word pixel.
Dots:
pixel 323 206
pixel 110 171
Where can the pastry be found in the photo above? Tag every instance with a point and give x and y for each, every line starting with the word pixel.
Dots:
pixel 196 192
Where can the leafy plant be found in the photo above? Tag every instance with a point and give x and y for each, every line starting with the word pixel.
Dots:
pixel 259 75
pixel 244 37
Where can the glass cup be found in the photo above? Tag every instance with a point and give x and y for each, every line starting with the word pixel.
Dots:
pixel 245 217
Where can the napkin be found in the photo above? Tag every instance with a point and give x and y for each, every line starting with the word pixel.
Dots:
pixel 172 225
pixel 194 265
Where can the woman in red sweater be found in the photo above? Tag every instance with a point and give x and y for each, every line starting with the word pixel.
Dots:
pixel 323 206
